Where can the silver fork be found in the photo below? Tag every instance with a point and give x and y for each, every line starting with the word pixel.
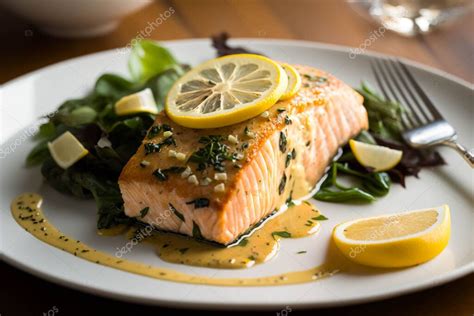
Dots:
pixel 423 124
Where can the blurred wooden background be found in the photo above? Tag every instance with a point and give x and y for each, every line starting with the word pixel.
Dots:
pixel 330 21
pixel 23 49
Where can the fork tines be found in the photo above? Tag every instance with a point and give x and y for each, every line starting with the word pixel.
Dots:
pixel 397 83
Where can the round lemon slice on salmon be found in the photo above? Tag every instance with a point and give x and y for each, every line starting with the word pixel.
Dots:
pixel 294 81
pixel 139 102
pixel 379 158
pixel 396 240
pixel 225 91
pixel 66 150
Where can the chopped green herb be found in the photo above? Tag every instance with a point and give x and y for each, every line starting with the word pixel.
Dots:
pixel 316 79
pixel 144 211
pixel 196 231
pixel 243 242
pixel 289 200
pixel 175 212
pixel 282 234
pixel 301 252
pixel 251 258
pixel 288 159
pixel 154 131
pixel 288 120
pixel 281 187
pixel 282 142
pixel 320 218
pixel 183 250
pixel 162 174
pixel 200 202
pixel 156 147
pixel 281 110
pixel 213 154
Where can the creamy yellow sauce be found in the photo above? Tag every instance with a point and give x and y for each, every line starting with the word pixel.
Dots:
pixel 261 246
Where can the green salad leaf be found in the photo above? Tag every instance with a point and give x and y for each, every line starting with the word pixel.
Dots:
pixel 148 59
pixel 92 118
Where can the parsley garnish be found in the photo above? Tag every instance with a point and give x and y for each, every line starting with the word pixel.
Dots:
pixel 320 218
pixel 213 154
pixel 154 131
pixel 199 203
pixel 175 212
pixel 162 174
pixel 282 142
pixel 144 211
pixel 196 231
pixel 282 185
pixel 156 147
pixel 282 234
pixel 183 250
pixel 243 242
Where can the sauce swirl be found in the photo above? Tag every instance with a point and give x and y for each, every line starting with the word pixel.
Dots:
pixel 26 209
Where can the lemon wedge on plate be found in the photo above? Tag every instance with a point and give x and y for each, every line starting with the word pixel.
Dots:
pixel 139 102
pixel 66 150
pixel 380 158
pixel 225 91
pixel 294 81
pixel 396 240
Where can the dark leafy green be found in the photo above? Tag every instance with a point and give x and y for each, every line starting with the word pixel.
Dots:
pixel 92 118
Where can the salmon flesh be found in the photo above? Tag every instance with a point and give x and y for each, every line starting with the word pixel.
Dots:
pixel 216 184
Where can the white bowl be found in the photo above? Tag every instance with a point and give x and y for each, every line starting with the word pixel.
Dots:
pixel 74 18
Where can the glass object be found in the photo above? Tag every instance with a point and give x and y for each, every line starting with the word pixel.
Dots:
pixel 411 17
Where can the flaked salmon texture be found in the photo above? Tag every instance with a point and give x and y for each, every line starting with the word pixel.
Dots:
pixel 207 184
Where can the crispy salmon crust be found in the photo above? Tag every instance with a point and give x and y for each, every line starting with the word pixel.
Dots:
pixel 278 156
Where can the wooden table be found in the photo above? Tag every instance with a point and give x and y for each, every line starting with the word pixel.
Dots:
pixel 25 49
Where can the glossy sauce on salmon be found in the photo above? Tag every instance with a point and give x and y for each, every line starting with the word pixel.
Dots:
pixel 216 184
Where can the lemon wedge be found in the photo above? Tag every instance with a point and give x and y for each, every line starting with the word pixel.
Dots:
pixel 397 240
pixel 66 150
pixel 139 102
pixel 379 158
pixel 294 81
pixel 225 91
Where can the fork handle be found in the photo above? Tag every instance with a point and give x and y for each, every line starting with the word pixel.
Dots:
pixel 468 155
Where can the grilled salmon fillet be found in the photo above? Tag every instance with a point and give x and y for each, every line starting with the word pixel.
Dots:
pixel 216 184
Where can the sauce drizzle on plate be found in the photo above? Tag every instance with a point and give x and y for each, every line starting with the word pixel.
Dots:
pixel 26 209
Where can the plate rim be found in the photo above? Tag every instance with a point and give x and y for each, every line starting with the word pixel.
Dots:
pixel 90 289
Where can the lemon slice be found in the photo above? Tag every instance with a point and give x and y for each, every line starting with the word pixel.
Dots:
pixel 140 102
pixel 379 158
pixel 294 81
pixel 225 91
pixel 397 240
pixel 66 150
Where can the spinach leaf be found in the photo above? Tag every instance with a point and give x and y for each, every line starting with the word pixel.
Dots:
pixel 148 59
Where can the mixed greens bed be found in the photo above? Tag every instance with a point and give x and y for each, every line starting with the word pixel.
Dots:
pixel 111 140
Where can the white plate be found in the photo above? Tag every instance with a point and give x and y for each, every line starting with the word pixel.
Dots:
pixel 38 93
